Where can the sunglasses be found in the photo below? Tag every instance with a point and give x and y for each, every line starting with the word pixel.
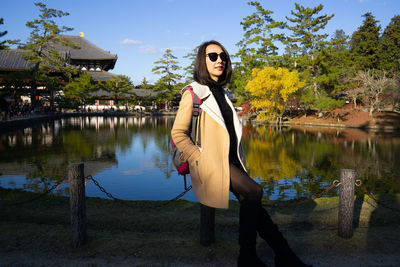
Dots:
pixel 214 56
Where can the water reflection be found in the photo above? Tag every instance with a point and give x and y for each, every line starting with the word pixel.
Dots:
pixel 130 157
pixel 298 162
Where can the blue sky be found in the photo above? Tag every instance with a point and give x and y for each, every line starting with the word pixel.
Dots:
pixel 139 31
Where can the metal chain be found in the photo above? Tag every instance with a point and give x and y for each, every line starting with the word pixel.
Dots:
pixel 334 184
pixel 36 197
pixel 89 177
pixel 378 202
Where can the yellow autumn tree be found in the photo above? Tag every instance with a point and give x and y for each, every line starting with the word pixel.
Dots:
pixel 270 89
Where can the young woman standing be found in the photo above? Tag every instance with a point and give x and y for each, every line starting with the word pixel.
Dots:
pixel 217 166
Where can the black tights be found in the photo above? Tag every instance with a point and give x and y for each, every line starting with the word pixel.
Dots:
pixel 243 186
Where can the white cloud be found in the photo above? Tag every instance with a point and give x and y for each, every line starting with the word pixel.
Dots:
pixel 148 49
pixel 362 1
pixel 131 42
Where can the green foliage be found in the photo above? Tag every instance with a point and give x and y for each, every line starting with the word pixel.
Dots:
pixel 39 51
pixel 305 43
pixel 2 43
pixel 189 70
pixel 389 46
pixel 119 87
pixel 364 44
pixel 167 66
pixel 257 48
pixel 307 99
pixel 307 24
pixel 80 88
pixel 325 103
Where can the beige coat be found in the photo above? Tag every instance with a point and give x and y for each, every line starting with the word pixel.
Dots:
pixel 209 164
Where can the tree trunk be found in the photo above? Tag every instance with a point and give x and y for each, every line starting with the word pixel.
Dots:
pixel 315 88
pixel 371 110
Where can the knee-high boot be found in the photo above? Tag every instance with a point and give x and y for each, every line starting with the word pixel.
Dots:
pixel 268 230
pixel 248 218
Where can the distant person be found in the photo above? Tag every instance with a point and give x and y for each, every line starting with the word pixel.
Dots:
pixel 218 165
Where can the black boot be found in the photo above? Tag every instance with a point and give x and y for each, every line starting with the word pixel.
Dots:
pixel 248 218
pixel 268 230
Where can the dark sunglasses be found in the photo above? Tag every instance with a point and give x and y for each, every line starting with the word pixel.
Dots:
pixel 214 56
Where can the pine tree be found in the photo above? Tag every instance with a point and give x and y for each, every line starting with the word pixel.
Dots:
pixel 167 66
pixel 45 32
pixel 389 46
pixel 257 48
pixel 118 87
pixel 364 44
pixel 305 42
pixel 78 90
pixel 334 64
pixel 189 70
pixel 2 43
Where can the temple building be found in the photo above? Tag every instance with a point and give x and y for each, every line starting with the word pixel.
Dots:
pixel 86 57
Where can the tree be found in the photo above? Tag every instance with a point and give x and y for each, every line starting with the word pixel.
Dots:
pixel 257 48
pixel 40 51
pixel 2 43
pixel 389 46
pixel 189 70
pixel 270 89
pixel 305 41
pixel 78 91
pixel 167 67
pixel 374 84
pixel 364 44
pixel 119 86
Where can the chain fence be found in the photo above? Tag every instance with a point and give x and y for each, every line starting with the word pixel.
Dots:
pixel 301 202
pixel 49 190
pixel 378 202
pixel 334 184
pixel 129 204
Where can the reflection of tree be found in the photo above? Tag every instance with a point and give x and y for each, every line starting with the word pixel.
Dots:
pixel 290 163
pixel 50 151
pixel 301 162
pixel 267 157
pixel 162 139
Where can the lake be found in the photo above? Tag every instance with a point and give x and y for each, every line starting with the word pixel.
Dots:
pixel 131 158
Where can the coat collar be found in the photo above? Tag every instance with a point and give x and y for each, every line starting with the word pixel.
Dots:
pixel 210 105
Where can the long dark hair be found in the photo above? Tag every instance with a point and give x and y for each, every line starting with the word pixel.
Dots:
pixel 201 74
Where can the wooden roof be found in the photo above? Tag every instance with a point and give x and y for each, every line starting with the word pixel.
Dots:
pixel 13 60
pixel 101 76
pixel 86 53
pixel 87 49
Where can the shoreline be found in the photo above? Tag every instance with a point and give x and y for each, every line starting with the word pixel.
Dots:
pixel 18 123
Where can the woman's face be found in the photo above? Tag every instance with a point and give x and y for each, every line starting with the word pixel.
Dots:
pixel 215 69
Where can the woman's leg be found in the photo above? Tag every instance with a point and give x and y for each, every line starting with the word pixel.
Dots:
pixel 254 218
pixel 249 194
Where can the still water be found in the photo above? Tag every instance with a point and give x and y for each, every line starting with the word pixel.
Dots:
pixel 130 157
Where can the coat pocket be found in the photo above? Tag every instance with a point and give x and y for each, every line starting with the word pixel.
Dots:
pixel 194 167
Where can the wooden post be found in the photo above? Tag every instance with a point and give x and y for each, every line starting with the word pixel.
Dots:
pixel 346 203
pixel 207 225
pixel 77 203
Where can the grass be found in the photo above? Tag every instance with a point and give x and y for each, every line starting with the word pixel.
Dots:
pixel 170 235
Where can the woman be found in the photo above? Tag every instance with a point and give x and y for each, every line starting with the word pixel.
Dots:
pixel 217 166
